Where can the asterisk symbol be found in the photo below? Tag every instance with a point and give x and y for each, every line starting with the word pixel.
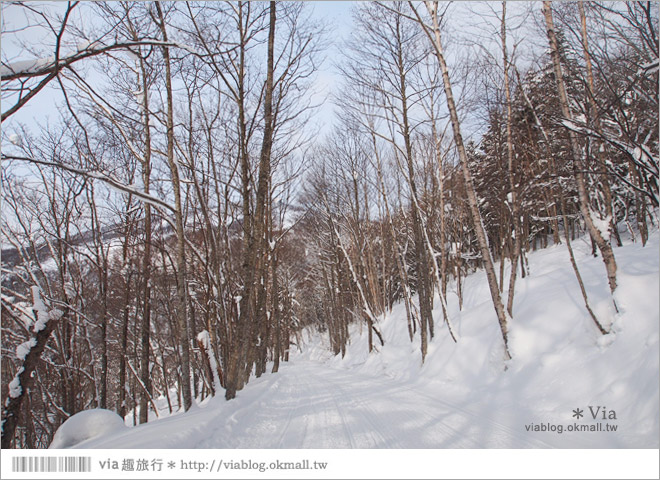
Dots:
pixel 171 465
pixel 577 413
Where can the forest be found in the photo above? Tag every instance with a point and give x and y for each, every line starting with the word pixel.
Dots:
pixel 188 213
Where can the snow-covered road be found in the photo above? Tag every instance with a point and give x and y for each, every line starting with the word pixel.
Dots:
pixel 461 397
pixel 309 405
pixel 319 407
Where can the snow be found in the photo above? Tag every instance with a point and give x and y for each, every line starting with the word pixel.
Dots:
pixel 86 425
pixel 462 396
pixel 40 310
pixel 602 225
pixel 42 314
pixel 26 66
pixel 87 45
pixel 15 388
pixel 24 348
pixel 37 302
pixel 205 339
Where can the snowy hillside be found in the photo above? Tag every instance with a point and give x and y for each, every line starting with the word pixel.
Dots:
pixel 563 374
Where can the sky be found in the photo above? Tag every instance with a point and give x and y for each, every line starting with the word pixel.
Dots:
pixel 474 26
pixel 473 23
pixel 340 23
pixel 44 107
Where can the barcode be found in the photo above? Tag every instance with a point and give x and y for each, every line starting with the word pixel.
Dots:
pixel 51 464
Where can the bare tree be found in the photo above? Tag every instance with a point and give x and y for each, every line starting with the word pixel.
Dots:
pixel 594 224
pixel 434 35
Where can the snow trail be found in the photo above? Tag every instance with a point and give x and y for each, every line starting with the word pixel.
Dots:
pixel 461 397
pixel 307 405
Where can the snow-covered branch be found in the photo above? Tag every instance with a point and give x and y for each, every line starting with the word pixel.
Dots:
pixel 97 175
pixel 640 154
pixel 29 352
pixel 50 67
pixel 43 66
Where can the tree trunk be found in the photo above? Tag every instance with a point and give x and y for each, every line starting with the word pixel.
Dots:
pixel 145 328
pixel 121 400
pixel 578 166
pixel 480 232
pixel 182 306
pixel 275 314
pixel 253 301
pixel 421 260
pixel 12 407
pixel 515 210
pixel 592 118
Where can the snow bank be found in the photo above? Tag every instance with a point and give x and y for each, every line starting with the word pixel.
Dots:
pixel 86 425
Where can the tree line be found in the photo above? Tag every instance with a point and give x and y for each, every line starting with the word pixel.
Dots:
pixel 173 232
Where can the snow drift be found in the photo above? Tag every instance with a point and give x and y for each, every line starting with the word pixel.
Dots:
pixel 86 425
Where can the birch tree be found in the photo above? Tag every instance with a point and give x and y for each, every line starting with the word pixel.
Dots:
pixel 435 37
pixel 599 228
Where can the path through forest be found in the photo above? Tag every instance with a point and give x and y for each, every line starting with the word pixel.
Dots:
pixel 461 397
pixel 309 405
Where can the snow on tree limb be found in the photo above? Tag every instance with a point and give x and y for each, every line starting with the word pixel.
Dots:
pixel 97 175
pixel 649 68
pixel 24 348
pixel 24 67
pixel 641 154
pixel 204 340
pixel 51 66
pixel 30 351
pixel 43 66
pixel 15 389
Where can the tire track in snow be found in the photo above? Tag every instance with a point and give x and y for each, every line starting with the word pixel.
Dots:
pixel 425 417
pixel 354 400
pixel 345 425
pixel 330 397
pixel 377 427
pixel 290 415
pixel 413 417
pixel 309 411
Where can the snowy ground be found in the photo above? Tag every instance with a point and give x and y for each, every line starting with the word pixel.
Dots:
pixel 461 397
